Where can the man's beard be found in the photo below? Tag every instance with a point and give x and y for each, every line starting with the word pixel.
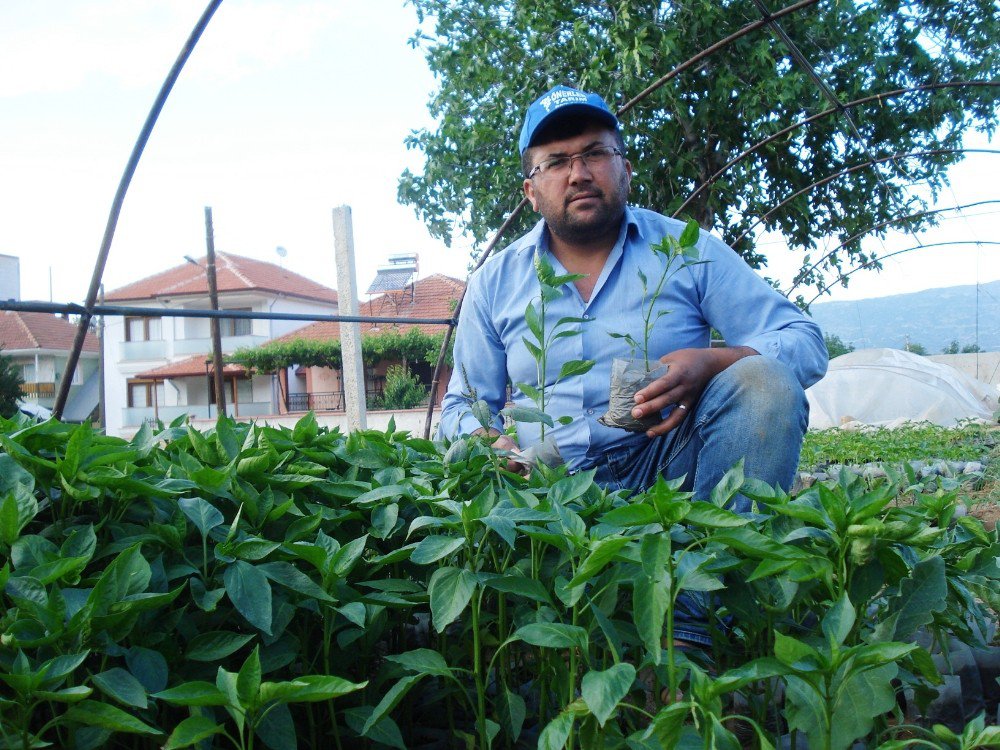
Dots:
pixel 576 229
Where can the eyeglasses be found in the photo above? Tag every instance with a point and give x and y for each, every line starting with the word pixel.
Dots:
pixel 595 158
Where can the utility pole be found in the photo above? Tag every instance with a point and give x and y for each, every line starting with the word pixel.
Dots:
pixel 213 298
pixel 352 369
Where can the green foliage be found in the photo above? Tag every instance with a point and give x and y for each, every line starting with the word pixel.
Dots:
pixel 492 59
pixel 411 346
pixel 912 442
pixel 271 587
pixel 915 348
pixel 402 390
pixel 10 385
pixel 954 348
pixel 835 347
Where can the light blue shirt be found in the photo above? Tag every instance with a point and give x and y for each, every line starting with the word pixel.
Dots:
pixel 723 293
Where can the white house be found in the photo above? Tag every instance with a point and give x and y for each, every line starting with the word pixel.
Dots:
pixel 39 345
pixel 157 367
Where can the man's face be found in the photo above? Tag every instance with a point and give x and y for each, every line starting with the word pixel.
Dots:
pixel 586 202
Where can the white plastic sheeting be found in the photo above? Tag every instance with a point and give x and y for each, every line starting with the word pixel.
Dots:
pixel 889 386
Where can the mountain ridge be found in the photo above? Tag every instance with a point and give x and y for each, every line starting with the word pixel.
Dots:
pixel 932 318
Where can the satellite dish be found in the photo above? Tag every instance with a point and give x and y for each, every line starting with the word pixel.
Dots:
pixel 281 251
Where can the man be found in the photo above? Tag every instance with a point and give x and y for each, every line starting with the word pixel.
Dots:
pixel 716 406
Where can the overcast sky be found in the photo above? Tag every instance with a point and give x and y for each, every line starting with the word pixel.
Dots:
pixel 286 109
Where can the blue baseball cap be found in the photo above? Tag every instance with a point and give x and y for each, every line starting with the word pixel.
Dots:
pixel 558 102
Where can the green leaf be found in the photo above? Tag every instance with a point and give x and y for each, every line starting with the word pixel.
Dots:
pixel 191 731
pixel 120 685
pixel 292 578
pixel 94 714
pixel 863 696
pixel 556 732
pixel 575 367
pixel 216 645
pixel 450 590
pixel 690 235
pixel 66 695
pixel 637 514
pixel 311 688
pixel 202 513
pixel 650 603
pixel 601 553
pixel 250 593
pixel 423 661
pixel 519 585
pixel 375 496
pixel 552 635
pixel 795 653
pixel 838 621
pixel 527 414
pixel 712 516
pixel 193 693
pixel 922 594
pixel 306 429
pixel 511 711
pixel 533 322
pixel 602 691
pixel 390 700
pixel 434 548
pixel 248 679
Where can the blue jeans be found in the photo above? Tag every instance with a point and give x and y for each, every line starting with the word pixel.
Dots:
pixel 755 410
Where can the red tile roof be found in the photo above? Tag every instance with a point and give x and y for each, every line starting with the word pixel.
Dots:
pixel 199 364
pixel 432 297
pixel 35 330
pixel 233 273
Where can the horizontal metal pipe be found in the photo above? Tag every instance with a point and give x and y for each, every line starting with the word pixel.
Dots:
pixel 162 312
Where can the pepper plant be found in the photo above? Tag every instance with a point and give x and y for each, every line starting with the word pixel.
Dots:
pixel 253 586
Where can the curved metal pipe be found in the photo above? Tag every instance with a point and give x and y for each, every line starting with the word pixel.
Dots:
pixel 119 199
pixel 819 116
pixel 800 277
pixel 855 168
pixel 873 261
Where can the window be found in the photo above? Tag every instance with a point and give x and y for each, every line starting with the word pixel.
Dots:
pixel 236 326
pixel 141 393
pixel 143 329
pixel 28 373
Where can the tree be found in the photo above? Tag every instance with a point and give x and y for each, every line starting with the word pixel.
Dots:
pixel 952 348
pixel 971 349
pixel 835 347
pixel 492 58
pixel 10 385
pixel 915 348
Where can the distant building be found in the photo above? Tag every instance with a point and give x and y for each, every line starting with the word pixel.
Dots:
pixel 158 367
pixel 322 388
pixel 10 277
pixel 39 344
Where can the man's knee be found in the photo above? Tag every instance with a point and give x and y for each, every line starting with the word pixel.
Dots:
pixel 766 387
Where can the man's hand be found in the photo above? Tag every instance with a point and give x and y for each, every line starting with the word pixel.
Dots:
pixel 504 442
pixel 688 374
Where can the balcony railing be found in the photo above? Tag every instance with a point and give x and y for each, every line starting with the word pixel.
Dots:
pixel 329 401
pixel 38 390
pixel 139 350
pixel 229 344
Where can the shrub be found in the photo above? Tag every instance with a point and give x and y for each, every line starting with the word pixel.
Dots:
pixel 402 390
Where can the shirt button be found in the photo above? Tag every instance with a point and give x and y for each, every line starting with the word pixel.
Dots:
pixel 586 316
pixel 590 411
